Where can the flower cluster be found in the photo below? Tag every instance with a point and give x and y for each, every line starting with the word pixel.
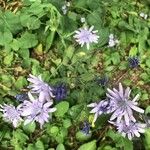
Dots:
pixel 118 103
pixel 36 106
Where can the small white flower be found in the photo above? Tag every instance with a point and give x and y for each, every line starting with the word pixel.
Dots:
pixel 143 15
pixel 68 4
pixel 82 19
pixel 64 9
pixel 11 114
pixel 112 41
pixel 86 36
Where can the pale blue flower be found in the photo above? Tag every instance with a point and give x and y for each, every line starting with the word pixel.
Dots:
pixel 11 114
pixel 131 130
pixel 86 36
pixel 124 105
pixel 103 107
pixel 35 110
pixel 38 86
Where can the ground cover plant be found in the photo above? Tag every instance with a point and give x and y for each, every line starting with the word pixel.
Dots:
pixel 74 75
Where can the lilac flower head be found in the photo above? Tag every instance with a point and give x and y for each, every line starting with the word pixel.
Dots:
pixel 131 130
pixel 133 62
pixel 103 107
pixel 35 110
pixel 86 36
pixel 41 88
pixel 60 91
pixel 11 114
pixel 86 128
pixel 123 105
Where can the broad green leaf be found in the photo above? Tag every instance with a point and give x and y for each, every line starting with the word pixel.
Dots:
pixel 88 146
pixel 10 21
pixel 75 110
pixel 80 136
pixel 29 128
pixel 133 51
pixel 147 139
pixel 67 123
pixel 39 145
pixel 148 62
pixel 120 141
pixel 115 57
pixel 54 130
pixel 28 40
pixel 21 82
pixel 62 108
pixel 30 147
pixel 31 22
pixel 8 59
pixel 6 37
pixel 60 147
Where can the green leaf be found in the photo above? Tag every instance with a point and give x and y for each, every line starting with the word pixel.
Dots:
pixel 15 45
pixel 75 110
pixel 148 63
pixel 115 57
pixel 10 21
pixel 62 108
pixel 29 128
pixel 60 147
pixel 147 139
pixel 67 123
pixel 31 22
pixel 30 147
pixel 39 145
pixel 6 37
pixel 95 19
pixel 28 40
pixel 21 82
pixel 120 141
pixel 133 51
pixel 54 130
pixel 8 59
pixel 88 146
pixel 80 4
pixel 80 136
